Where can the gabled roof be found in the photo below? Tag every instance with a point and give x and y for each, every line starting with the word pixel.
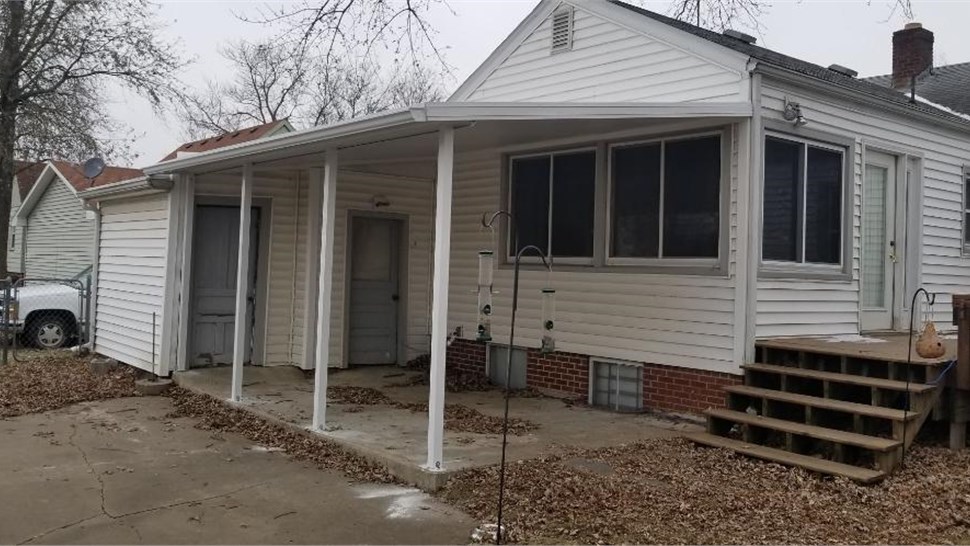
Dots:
pixel 792 64
pixel 72 175
pixel 26 174
pixel 228 139
pixel 947 85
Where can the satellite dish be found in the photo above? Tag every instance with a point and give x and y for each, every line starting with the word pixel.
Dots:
pixel 93 167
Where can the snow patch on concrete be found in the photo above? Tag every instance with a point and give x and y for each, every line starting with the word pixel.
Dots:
pixel 403 502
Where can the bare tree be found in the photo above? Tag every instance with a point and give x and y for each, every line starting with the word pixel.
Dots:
pixel 271 81
pixel 723 14
pixel 268 84
pixel 54 52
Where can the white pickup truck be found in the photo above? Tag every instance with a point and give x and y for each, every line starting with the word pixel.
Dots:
pixel 49 314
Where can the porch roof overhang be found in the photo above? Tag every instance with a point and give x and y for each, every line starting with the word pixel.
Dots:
pixel 424 120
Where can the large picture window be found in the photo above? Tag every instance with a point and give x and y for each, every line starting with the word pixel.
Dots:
pixel 666 199
pixel 553 197
pixel 802 206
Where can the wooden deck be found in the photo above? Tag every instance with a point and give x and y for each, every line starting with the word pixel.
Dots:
pixel 886 347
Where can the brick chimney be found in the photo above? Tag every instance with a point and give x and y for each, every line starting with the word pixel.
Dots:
pixel 912 53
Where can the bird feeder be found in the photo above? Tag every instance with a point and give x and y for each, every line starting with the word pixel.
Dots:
pixel 548 320
pixel 486 260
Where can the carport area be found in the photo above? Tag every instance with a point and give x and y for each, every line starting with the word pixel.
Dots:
pixel 380 412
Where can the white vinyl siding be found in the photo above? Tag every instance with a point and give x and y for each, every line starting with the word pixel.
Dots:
pixel 59 239
pixel 606 63
pixel 679 320
pixel 131 279
pixel 804 307
pixel 409 198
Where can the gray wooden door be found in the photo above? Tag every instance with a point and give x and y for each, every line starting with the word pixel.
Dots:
pixel 216 256
pixel 374 255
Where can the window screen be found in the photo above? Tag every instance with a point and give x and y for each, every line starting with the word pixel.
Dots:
pixel 802 205
pixel 553 199
pixel 668 207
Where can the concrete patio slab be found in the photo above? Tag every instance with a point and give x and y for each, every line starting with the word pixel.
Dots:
pixel 397 437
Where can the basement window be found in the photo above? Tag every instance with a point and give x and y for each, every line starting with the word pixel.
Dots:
pixel 615 385
pixel 562 29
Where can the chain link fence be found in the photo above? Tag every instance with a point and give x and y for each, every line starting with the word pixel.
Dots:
pixel 43 315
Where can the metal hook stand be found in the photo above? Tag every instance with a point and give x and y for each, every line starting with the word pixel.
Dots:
pixel 487 223
pixel 930 300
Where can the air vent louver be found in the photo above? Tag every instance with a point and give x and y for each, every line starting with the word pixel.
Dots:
pixel 562 29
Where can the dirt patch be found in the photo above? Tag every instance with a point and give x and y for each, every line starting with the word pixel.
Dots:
pixel 214 415
pixel 460 418
pixel 669 491
pixel 55 380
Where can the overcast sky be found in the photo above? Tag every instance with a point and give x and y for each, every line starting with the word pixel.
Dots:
pixel 856 34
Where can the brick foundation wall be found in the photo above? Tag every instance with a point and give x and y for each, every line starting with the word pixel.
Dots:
pixel 666 388
pixel 688 390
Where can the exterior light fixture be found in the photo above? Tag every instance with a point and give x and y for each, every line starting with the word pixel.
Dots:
pixel 793 113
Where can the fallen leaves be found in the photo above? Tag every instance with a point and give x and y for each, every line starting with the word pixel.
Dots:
pixel 214 415
pixel 669 491
pixel 460 418
pixel 56 380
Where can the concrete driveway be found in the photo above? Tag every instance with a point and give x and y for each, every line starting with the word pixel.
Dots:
pixel 120 471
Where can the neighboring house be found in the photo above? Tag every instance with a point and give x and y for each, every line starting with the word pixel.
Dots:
pixel 696 192
pixel 56 230
pixel 25 175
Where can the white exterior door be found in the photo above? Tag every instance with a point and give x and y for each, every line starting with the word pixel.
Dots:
pixel 375 246
pixel 216 256
pixel 880 243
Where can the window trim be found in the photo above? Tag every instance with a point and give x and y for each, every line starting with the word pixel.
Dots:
pixel 601 220
pixel 551 154
pixel 964 180
pixel 717 263
pixel 777 269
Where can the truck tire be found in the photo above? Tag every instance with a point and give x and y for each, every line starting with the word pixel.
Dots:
pixel 50 332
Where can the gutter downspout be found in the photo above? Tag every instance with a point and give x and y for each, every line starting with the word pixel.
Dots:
pixel 93 287
pixel 756 172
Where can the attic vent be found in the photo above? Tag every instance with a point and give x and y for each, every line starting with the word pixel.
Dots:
pixel 844 70
pixel 746 38
pixel 562 29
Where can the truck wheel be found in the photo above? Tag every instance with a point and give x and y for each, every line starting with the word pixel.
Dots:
pixel 48 333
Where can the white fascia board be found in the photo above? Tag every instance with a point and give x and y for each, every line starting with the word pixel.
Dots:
pixel 505 49
pixel 125 188
pixel 287 140
pixel 724 57
pixel 445 112
pixel 40 186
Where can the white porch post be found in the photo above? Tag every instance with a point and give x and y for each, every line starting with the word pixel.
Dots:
pixel 185 292
pixel 439 309
pixel 312 280
pixel 324 292
pixel 242 283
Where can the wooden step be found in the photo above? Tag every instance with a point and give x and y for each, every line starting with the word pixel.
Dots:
pixel 848 379
pixel 872 443
pixel 824 466
pixel 823 403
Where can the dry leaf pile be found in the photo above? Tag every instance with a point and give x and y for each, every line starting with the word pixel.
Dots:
pixel 361 396
pixel 49 382
pixel 669 491
pixel 460 418
pixel 212 414
pixel 455 379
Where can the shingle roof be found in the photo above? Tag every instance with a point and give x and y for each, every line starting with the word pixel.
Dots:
pixel 26 174
pixel 947 85
pixel 75 175
pixel 227 139
pixel 786 62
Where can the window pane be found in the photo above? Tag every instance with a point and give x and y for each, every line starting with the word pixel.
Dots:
pixel 692 189
pixel 823 207
pixel 636 201
pixel 573 189
pixel 530 201
pixel 966 193
pixel 781 200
